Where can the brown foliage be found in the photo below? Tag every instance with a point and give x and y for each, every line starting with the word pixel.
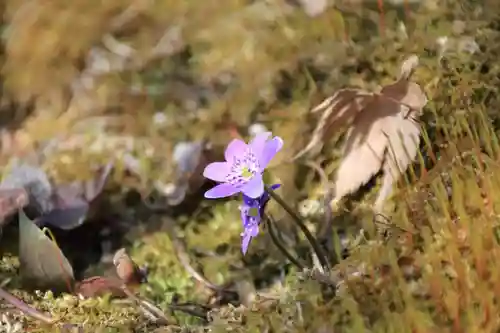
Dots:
pixel 383 132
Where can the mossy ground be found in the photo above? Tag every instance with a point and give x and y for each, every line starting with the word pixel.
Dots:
pixel 437 269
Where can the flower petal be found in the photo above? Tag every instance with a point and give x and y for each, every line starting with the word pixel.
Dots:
pixel 253 230
pixel 217 171
pixel 259 142
pixel 265 197
pixel 244 215
pixel 270 149
pixel 254 188
pixel 221 191
pixel 275 186
pixel 235 148
pixel 247 236
pixel 245 241
pixel 249 202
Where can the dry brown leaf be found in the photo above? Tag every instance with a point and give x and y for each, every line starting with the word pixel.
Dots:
pixel 383 134
pixel 364 149
pixel 337 111
pixel 403 139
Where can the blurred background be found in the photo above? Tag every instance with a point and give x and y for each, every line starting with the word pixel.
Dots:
pixel 117 106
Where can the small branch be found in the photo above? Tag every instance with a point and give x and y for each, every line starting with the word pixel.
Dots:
pixel 25 308
pixel 146 306
pixel 322 278
pixel 194 310
pixel 274 237
pixel 387 223
pixel 183 257
pixel 323 258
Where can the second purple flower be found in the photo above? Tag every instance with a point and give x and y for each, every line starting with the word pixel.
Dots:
pixel 252 212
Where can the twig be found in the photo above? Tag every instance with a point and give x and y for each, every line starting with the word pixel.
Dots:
pixel 322 278
pixel 25 308
pixel 183 257
pixel 193 309
pixel 387 223
pixel 145 305
pixel 298 220
pixel 274 237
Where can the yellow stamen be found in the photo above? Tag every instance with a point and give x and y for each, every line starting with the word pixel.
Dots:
pixel 246 173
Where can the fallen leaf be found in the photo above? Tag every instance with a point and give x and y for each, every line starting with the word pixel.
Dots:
pixel 42 264
pixel 62 206
pixel 36 184
pixel 363 154
pixel 96 286
pixel 383 132
pixel 337 111
pixel 127 270
pixel 65 218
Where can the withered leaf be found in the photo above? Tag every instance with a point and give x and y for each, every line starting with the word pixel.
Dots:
pixel 384 132
pixel 363 155
pixel 337 111
pixel 98 286
pixel 127 270
pixel 36 184
pixel 71 202
pixel 64 206
pixel 42 264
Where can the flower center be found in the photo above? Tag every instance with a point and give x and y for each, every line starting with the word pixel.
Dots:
pixel 243 169
pixel 246 172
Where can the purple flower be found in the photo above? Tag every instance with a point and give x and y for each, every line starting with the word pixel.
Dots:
pixel 252 211
pixel 243 168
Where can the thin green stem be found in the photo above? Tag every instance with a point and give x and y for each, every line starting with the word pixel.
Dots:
pixel 298 220
pixel 274 237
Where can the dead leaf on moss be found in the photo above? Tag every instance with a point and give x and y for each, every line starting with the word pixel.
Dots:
pixel 64 206
pixel 383 132
pixel 337 111
pixel 71 202
pixel 42 263
pixel 127 270
pixel 96 286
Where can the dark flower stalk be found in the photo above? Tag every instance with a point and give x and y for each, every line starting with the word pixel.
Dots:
pixel 252 213
pixel 274 237
pixel 323 258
